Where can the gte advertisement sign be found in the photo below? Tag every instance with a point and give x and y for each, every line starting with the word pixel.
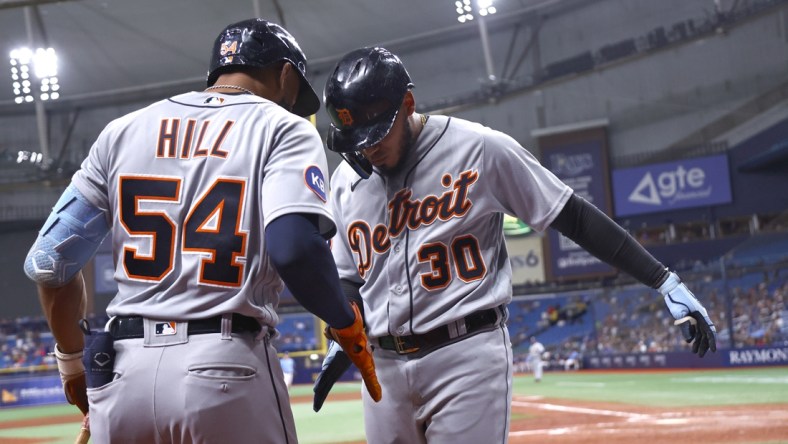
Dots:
pixel 669 186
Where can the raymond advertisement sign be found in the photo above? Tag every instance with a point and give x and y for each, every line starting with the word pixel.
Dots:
pixel 670 186
pixel 578 156
pixel 757 356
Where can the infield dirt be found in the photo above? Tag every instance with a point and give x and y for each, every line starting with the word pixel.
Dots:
pixel 560 421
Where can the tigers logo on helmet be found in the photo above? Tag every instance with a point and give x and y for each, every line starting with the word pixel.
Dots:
pixel 344 115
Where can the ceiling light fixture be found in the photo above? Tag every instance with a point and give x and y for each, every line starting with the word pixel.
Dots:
pixel 42 63
pixel 465 10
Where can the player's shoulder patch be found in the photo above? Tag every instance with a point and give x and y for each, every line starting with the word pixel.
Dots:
pixel 315 182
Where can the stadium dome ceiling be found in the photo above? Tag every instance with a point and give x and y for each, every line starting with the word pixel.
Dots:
pixel 108 47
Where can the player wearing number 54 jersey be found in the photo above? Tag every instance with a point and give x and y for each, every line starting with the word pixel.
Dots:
pixel 419 205
pixel 212 199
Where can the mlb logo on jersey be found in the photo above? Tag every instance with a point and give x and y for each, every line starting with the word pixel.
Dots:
pixel 165 328
pixel 314 181
pixel 214 100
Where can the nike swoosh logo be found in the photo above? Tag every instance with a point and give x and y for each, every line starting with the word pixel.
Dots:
pixel 354 184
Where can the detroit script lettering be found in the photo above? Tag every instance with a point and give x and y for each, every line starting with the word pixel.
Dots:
pixel 411 213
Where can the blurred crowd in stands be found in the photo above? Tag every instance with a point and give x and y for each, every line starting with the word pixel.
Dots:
pixel 23 345
pixel 633 319
pixel 690 231
pixel 297 332
pixel 26 342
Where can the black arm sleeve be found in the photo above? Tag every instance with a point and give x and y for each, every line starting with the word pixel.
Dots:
pixel 352 291
pixel 302 258
pixel 598 234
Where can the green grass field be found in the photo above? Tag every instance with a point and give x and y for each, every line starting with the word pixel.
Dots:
pixel 659 389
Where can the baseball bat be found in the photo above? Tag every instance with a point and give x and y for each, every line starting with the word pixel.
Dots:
pixel 84 432
pixel 83 437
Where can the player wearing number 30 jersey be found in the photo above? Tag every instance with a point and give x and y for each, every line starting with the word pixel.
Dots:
pixel 430 249
pixel 419 205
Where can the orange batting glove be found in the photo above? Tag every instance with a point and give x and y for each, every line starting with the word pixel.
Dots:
pixel 355 344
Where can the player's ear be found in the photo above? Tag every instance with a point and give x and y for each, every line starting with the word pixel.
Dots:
pixel 289 85
pixel 410 103
pixel 286 74
pixel 283 73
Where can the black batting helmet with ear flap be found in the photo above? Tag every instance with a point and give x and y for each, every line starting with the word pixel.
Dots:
pixel 259 43
pixel 363 96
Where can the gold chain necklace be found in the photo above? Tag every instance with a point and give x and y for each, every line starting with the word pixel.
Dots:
pixel 229 87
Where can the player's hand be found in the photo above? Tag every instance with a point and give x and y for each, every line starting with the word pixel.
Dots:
pixel 335 364
pixel 86 422
pixel 72 375
pixel 690 315
pixel 84 431
pixel 355 344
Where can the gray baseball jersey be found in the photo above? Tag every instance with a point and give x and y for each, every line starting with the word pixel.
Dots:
pixel 427 242
pixel 427 245
pixel 189 185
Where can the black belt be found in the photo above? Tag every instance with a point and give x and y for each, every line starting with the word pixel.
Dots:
pixel 131 327
pixel 422 344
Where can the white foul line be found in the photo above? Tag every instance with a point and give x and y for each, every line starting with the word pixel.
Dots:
pixel 584 410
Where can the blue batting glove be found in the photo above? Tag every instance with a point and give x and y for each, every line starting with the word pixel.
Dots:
pixel 334 366
pixel 690 315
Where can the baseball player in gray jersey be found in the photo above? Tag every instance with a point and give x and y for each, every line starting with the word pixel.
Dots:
pixel 419 205
pixel 212 199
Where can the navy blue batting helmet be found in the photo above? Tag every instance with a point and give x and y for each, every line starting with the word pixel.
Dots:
pixel 363 97
pixel 259 43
